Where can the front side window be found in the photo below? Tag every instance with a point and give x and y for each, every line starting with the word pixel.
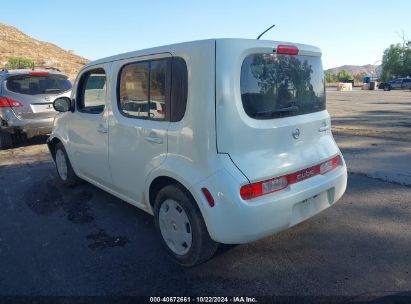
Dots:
pixel 275 86
pixel 143 89
pixel 38 84
pixel 91 95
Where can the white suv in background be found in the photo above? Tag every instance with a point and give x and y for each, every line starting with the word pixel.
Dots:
pixel 240 149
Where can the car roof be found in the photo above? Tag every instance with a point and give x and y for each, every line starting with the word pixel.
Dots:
pixel 247 43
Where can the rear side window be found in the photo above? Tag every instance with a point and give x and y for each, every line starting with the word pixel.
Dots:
pixel 35 85
pixel 91 94
pixel 275 86
pixel 179 84
pixel 155 89
pixel 144 89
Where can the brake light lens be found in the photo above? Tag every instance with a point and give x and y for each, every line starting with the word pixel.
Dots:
pixel 287 50
pixel 38 73
pixel 9 103
pixel 4 102
pixel 279 183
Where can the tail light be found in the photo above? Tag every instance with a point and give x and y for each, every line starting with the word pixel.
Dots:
pixel 160 112
pixel 9 103
pixel 287 50
pixel 276 184
pixel 38 73
pixel 257 189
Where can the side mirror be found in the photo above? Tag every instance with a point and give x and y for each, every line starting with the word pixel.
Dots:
pixel 63 104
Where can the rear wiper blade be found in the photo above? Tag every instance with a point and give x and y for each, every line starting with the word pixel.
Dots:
pixel 51 90
pixel 280 110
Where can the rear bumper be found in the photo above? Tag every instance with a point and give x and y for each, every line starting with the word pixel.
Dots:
pixel 235 221
pixel 33 126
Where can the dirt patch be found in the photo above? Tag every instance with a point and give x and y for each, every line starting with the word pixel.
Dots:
pixel 44 200
pixel 101 240
pixel 31 154
pixel 74 202
pixel 77 208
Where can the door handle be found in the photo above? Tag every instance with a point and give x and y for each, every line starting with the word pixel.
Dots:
pixel 102 129
pixel 154 139
pixel 323 129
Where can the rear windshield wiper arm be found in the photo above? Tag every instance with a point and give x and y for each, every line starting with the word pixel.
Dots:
pixel 280 110
pixel 51 90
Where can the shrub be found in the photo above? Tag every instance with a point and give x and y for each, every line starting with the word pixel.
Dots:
pixel 19 63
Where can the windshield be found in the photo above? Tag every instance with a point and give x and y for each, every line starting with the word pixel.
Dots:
pixel 34 85
pixel 274 86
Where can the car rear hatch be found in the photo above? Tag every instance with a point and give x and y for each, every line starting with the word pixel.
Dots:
pixel 33 93
pixel 270 108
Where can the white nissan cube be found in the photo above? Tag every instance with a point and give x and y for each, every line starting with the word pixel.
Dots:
pixel 223 140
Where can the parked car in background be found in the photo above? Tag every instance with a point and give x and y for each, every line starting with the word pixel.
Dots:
pixel 400 83
pixel 26 102
pixel 222 140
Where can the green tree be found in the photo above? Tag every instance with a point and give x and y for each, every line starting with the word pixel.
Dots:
pixel 281 72
pixel 331 78
pixel 344 75
pixel 19 63
pixel 396 62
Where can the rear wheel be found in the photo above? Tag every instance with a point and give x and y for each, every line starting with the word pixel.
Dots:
pixel 181 227
pixel 64 169
pixel 5 140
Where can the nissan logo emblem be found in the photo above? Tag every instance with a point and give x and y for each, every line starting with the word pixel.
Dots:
pixel 296 133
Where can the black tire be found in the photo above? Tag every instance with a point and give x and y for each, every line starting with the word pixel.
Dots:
pixel 202 247
pixel 5 140
pixel 387 88
pixel 70 178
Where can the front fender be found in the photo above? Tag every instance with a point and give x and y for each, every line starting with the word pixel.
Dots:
pixel 59 132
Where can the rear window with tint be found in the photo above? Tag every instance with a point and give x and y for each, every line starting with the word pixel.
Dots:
pixel 34 85
pixel 275 86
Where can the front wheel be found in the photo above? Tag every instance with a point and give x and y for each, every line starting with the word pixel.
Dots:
pixel 181 227
pixel 387 88
pixel 64 169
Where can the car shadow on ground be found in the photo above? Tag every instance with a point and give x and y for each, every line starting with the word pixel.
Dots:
pixel 84 241
pixel 23 141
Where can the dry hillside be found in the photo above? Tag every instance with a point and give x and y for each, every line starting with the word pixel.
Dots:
pixel 15 43
pixel 368 69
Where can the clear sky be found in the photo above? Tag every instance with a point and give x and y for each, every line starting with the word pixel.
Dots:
pixel 348 32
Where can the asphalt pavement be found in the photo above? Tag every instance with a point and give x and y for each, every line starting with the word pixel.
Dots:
pixel 83 241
